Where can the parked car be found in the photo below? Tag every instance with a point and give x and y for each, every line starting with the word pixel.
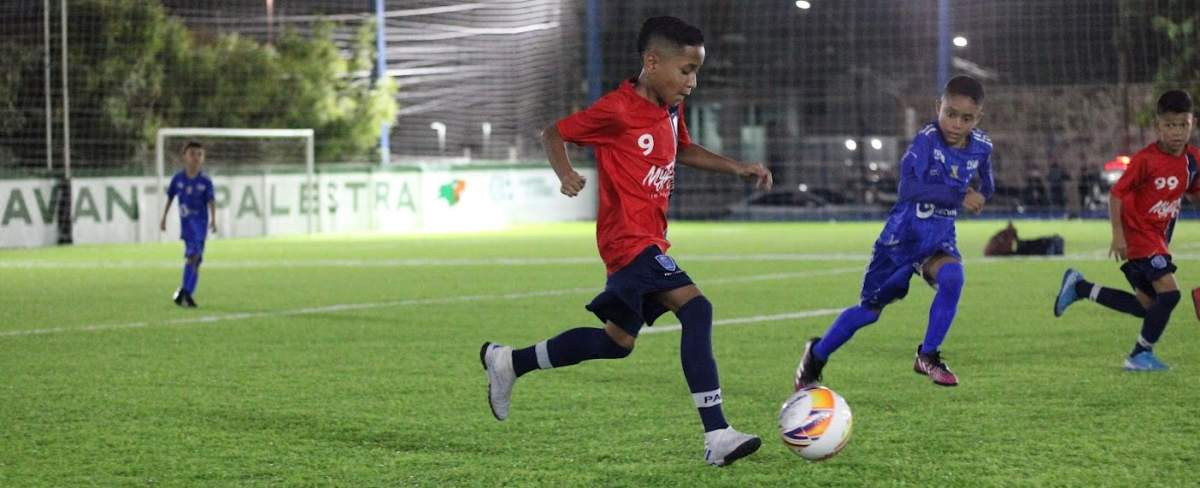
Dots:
pixel 801 203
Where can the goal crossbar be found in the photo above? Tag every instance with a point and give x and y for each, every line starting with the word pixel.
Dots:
pixel 160 157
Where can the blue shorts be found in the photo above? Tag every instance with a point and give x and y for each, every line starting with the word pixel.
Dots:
pixel 625 300
pixel 193 247
pixel 1141 273
pixel 893 264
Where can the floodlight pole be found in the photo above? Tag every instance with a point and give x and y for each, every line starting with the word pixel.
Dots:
pixel 46 62
pixel 385 146
pixel 66 99
pixel 594 26
pixel 943 48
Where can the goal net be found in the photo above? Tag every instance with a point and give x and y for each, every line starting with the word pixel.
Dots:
pixel 264 179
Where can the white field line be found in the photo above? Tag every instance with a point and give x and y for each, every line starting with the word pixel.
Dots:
pixel 208 319
pixel 750 320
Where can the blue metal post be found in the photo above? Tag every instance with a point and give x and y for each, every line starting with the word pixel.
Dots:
pixel 595 62
pixel 943 49
pixel 385 147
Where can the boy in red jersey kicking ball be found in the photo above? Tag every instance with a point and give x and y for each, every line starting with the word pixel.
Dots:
pixel 638 133
pixel 1143 209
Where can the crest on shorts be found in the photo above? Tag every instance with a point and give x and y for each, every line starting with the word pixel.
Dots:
pixel 666 262
pixel 1159 262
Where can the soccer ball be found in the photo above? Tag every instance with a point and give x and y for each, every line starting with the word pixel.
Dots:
pixel 815 423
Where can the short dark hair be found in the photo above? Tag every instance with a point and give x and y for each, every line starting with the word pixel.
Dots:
pixel 670 29
pixel 1174 101
pixel 191 144
pixel 966 86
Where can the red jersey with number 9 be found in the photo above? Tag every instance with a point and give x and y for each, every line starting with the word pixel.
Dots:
pixel 1150 191
pixel 635 142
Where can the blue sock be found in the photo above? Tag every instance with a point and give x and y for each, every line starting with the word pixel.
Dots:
pixel 570 347
pixel 189 278
pixel 195 278
pixel 945 304
pixel 1156 321
pixel 699 366
pixel 850 320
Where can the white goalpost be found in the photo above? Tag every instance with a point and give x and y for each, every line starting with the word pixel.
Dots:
pixel 160 156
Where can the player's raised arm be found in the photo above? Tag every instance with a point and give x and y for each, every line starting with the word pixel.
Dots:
pixel 697 156
pixel 987 184
pixel 1131 180
pixel 556 152
pixel 975 199
pixel 597 125
pixel 1118 248
pixel 913 187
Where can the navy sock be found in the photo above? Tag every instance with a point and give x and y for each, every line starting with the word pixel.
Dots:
pixel 1156 321
pixel 570 347
pixel 699 366
pixel 1118 300
pixel 189 278
pixel 850 320
pixel 950 280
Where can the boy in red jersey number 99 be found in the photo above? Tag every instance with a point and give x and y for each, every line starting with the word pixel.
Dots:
pixel 1143 208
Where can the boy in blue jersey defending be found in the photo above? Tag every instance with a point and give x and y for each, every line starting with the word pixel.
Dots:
pixel 919 236
pixel 195 192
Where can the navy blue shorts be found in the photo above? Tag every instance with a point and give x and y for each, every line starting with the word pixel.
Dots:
pixel 194 247
pixel 626 299
pixel 1142 273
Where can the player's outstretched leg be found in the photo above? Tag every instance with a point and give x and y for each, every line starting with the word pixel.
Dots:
pixel 808 372
pixel 950 279
pixel 1142 357
pixel 504 365
pixel 497 363
pixel 818 349
pixel 1066 293
pixel 722 444
pixel 1075 288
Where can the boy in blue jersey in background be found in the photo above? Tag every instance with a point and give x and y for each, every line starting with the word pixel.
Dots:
pixel 195 192
pixel 919 236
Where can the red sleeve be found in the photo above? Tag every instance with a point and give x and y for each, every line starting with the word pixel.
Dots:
pixel 595 125
pixel 685 139
pixel 1131 179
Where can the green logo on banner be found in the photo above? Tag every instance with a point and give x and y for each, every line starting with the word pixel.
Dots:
pixel 452 191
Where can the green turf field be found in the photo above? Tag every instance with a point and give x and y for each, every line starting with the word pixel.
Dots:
pixel 353 361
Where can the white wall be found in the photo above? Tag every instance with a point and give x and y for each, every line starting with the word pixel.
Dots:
pixel 128 209
pixel 27 214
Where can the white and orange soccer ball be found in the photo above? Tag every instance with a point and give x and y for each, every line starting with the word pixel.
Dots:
pixel 815 423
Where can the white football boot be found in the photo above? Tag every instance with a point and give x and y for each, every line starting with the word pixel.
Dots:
pixel 497 362
pixel 723 447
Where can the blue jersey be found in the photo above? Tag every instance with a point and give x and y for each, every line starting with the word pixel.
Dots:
pixel 934 178
pixel 194 195
pixel 933 182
